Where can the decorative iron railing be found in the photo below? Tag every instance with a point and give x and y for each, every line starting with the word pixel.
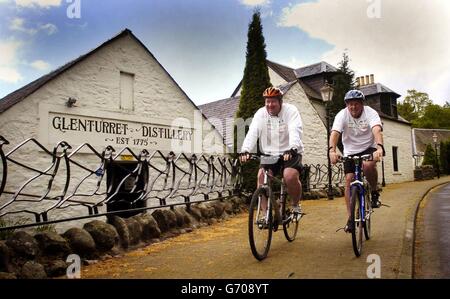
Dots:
pixel 318 176
pixel 47 187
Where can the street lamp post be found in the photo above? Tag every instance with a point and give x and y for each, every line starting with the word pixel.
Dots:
pixel 435 141
pixel 327 95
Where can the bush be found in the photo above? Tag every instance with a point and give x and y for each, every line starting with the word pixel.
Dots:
pixel 429 156
pixel 444 156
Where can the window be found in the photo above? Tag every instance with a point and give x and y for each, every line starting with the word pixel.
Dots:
pixel 126 91
pixel 388 105
pixel 394 107
pixel 395 158
pixel 385 104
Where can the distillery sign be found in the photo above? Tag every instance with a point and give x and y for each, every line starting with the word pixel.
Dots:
pixel 101 131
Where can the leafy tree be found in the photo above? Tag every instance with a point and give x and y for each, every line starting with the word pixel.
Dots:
pixel 414 104
pixel 406 110
pixel 434 117
pixel 256 79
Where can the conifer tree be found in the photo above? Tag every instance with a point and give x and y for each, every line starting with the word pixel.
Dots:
pixel 256 75
pixel 343 82
pixel 429 156
pixel 256 79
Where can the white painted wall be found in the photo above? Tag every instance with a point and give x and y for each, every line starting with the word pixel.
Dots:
pixel 275 79
pixel 397 134
pixel 314 132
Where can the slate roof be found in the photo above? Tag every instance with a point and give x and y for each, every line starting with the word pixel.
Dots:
pixel 314 69
pixel 310 92
pixel 221 113
pixel 422 137
pixel 376 88
pixel 285 72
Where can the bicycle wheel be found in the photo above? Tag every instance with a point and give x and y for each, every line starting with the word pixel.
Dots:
pixel 290 225
pixel 260 224
pixel 358 227
pixel 368 213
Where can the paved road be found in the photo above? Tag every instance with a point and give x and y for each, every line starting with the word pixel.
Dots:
pixel 432 255
pixel 222 250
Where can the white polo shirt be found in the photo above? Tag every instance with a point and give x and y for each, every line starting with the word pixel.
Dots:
pixel 276 134
pixel 356 133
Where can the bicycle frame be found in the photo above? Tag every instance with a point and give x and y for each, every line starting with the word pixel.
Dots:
pixel 359 185
pixel 282 200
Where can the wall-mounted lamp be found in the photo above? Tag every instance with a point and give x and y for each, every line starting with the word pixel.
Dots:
pixel 71 102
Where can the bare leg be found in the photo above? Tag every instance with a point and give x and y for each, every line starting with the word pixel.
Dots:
pixel 348 180
pixel 260 181
pixel 370 170
pixel 293 184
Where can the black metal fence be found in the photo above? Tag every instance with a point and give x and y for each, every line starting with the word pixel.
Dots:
pixel 40 184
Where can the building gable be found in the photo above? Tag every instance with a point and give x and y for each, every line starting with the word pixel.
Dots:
pixel 95 81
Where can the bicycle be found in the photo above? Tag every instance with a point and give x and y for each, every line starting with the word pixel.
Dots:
pixel 266 212
pixel 360 203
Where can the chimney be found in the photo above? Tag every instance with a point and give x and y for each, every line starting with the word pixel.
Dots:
pixel 361 80
pixel 372 79
pixel 357 82
pixel 367 80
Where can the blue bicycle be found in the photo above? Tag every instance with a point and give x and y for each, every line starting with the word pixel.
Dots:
pixel 360 203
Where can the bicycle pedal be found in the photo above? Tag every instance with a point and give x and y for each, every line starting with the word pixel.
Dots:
pixel 341 228
pixel 275 227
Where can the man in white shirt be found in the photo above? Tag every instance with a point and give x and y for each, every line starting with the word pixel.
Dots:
pixel 361 131
pixel 279 128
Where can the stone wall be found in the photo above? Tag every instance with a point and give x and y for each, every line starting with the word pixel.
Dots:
pixel 45 254
pixel 424 172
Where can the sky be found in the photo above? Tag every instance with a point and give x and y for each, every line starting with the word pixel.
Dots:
pixel 202 43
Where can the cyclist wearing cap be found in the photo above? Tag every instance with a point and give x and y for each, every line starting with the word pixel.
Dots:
pixel 361 131
pixel 279 128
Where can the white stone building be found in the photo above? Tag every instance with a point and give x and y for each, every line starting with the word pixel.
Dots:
pixel 302 88
pixel 116 95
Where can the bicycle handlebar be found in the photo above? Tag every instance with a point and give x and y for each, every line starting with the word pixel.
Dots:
pixel 258 157
pixel 366 157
